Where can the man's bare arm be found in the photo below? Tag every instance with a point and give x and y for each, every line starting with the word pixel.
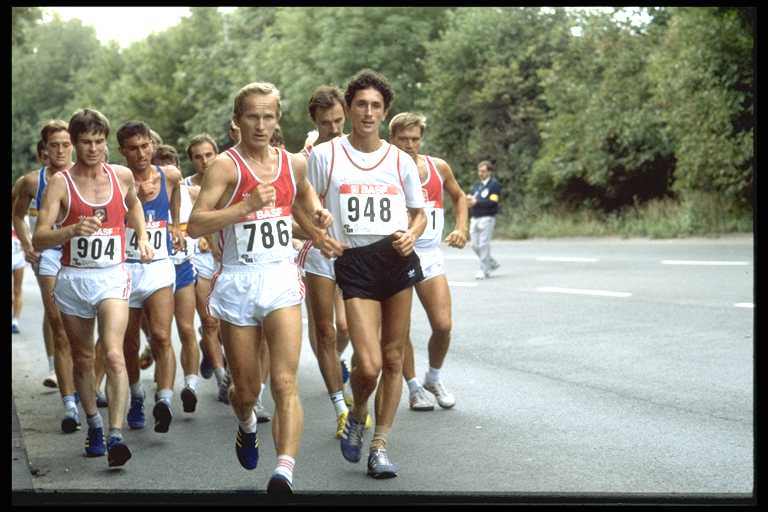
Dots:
pixel 457 237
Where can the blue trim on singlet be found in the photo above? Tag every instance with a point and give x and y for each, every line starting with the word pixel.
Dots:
pixel 160 209
pixel 41 183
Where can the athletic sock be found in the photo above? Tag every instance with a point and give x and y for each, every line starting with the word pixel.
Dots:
pixel 51 365
pixel 95 421
pixel 337 399
pixel 219 373
pixel 413 385
pixel 250 425
pixel 433 375
pixel 166 395
pixel 137 390
pixel 285 464
pixel 69 401
pixel 191 381
pixel 261 391
pixel 380 438
pixel 116 432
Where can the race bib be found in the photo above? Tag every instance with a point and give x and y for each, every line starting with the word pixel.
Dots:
pixel 372 209
pixel 101 249
pixel 189 249
pixel 264 235
pixel 157 235
pixel 435 221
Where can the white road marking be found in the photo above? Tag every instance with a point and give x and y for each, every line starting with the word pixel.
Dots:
pixel 744 305
pixel 695 262
pixel 578 291
pixel 465 284
pixel 568 259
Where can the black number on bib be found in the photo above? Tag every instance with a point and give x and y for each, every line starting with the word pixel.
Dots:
pixel 96 249
pixel 158 240
pixel 434 219
pixel 386 213
pixel 252 229
pixel 353 205
pixel 282 233
pixel 369 210
pixel 110 249
pixel 134 241
pixel 267 238
pixel 82 247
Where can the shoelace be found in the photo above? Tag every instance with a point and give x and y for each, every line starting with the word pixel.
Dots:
pixel 356 430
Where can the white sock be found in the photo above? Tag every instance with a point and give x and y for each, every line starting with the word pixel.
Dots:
pixel 249 425
pixel 15 321
pixel 413 385
pixel 433 375
pixel 261 391
pixel 69 401
pixel 166 395
pixel 191 381
pixel 337 399
pixel 285 464
pixel 137 390
pixel 51 365
pixel 95 421
pixel 219 373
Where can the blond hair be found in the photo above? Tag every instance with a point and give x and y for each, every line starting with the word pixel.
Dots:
pixel 265 88
pixel 405 120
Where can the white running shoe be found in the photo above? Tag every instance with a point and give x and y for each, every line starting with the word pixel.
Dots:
pixel 480 275
pixel 262 416
pixel 445 399
pixel 50 381
pixel 421 401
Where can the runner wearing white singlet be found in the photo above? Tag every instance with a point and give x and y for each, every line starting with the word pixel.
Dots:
pixel 374 194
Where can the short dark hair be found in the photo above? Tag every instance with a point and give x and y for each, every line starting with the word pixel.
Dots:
pixel 131 129
pixel 164 155
pixel 324 97
pixel 199 139
pixel 40 147
pixel 365 79
pixel 488 165
pixel 87 120
pixel 51 127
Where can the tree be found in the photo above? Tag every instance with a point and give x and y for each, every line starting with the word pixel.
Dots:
pixel 604 140
pixel 484 91
pixel 703 75
pixel 21 20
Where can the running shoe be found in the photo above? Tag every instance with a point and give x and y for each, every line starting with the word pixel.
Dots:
pixel 51 381
pixel 421 401
pixel 379 465
pixel 352 439
pixel 340 421
pixel 279 484
pixel 445 399
pixel 480 275
pixel 146 358
pixel 188 399
pixel 15 329
pixel 136 418
pixel 117 451
pixel 206 368
pixel 262 416
pixel 163 415
pixel 247 448
pixel 94 442
pixel 71 421
pixel 101 399
pixel 224 388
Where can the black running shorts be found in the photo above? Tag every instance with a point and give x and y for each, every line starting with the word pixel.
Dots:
pixel 376 271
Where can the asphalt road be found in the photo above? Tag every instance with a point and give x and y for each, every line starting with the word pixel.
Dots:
pixel 582 367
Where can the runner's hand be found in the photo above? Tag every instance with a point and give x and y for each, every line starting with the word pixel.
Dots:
pixel 87 226
pixel 145 251
pixel 456 238
pixel 322 218
pixel 260 197
pixel 330 247
pixel 403 242
pixel 31 255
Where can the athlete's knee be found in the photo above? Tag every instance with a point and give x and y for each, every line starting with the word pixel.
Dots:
pixel 442 326
pixel 326 334
pixel 187 334
pixel 367 371
pixel 210 323
pixel 283 383
pixel 115 360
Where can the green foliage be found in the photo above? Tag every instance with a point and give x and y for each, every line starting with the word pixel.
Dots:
pixel 483 98
pixel 21 19
pixel 604 142
pixel 703 73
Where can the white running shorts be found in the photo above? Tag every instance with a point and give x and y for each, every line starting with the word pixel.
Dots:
pixel 79 291
pixel 432 262
pixel 147 278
